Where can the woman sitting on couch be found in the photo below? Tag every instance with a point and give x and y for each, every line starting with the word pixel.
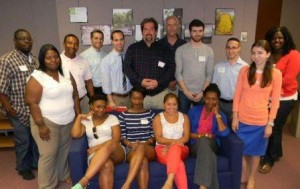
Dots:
pixel 103 134
pixel 138 137
pixel 207 124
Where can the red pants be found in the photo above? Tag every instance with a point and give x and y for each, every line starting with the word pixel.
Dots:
pixel 174 158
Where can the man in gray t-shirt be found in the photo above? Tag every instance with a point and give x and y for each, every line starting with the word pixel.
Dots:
pixel 194 67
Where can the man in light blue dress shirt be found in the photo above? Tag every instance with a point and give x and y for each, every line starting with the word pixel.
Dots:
pixel 94 56
pixel 226 73
pixel 114 82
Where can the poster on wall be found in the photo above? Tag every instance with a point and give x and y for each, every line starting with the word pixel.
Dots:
pixel 224 21
pixel 86 33
pixel 178 13
pixel 78 14
pixel 123 20
pixel 208 33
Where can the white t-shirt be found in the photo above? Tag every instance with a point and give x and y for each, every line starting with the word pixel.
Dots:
pixel 104 131
pixel 57 102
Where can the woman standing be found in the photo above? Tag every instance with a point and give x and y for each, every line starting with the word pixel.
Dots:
pixel 138 137
pixel 103 134
pixel 53 100
pixel 207 125
pixel 172 129
pixel 287 60
pixel 253 113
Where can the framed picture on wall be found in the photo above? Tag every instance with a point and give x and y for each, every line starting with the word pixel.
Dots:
pixel 123 20
pixel 178 13
pixel 86 33
pixel 208 33
pixel 224 21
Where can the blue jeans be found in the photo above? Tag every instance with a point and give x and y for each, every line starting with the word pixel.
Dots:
pixel 185 103
pixel 27 154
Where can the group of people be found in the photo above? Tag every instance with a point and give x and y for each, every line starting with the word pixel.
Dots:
pixel 47 98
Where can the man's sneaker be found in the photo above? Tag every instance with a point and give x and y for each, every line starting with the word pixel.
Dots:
pixel 27 174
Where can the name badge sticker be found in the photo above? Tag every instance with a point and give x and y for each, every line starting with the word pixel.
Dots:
pixel 202 59
pixel 144 121
pixel 23 68
pixel 221 70
pixel 161 64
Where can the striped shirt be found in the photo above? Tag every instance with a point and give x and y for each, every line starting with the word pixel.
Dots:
pixel 15 68
pixel 136 126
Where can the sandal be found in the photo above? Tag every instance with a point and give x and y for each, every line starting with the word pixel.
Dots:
pixel 251 184
pixel 265 168
pixel 68 180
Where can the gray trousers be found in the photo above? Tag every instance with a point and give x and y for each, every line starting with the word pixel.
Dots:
pixel 206 162
pixel 53 163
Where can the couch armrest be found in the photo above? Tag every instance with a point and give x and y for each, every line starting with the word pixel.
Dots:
pixel 78 158
pixel 232 148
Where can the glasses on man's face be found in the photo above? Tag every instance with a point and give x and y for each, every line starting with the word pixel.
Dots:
pixel 231 48
pixel 25 39
pixel 94 132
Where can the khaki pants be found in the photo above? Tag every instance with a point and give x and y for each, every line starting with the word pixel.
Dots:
pixel 156 101
pixel 84 105
pixel 53 162
pixel 122 101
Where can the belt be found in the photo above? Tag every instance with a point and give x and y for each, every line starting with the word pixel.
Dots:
pixel 82 98
pixel 225 101
pixel 120 95
pixel 207 135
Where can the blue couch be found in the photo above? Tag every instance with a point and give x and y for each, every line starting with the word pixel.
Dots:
pixel 229 166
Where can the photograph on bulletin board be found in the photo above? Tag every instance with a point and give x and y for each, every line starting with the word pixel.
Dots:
pixel 178 13
pixel 224 21
pixel 123 20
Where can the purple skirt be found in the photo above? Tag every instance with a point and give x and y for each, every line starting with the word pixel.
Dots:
pixel 253 137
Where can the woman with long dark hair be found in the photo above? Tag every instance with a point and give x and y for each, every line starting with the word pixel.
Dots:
pixel 285 58
pixel 253 111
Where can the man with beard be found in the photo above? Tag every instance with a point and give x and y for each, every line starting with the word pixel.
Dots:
pixel 15 67
pixel 148 64
pixel 79 68
pixel 172 41
pixel 194 67
pixel 226 73
pixel 94 56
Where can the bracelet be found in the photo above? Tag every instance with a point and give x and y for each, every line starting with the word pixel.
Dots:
pixel 218 115
pixel 271 124
pixel 151 141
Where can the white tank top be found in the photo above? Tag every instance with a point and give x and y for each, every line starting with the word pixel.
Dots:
pixel 172 130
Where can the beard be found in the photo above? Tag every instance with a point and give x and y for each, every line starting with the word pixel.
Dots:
pixel 196 38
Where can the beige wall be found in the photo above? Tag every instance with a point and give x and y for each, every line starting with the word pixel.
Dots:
pixel 290 19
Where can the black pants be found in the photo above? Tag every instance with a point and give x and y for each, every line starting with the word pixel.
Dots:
pixel 274 149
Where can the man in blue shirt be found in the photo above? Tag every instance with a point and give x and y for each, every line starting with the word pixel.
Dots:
pixel 114 82
pixel 226 73
pixel 94 56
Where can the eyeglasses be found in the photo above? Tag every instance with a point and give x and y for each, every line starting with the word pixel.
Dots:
pixel 94 132
pixel 25 39
pixel 231 48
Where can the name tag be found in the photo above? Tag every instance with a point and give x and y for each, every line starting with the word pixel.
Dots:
pixel 202 59
pixel 161 64
pixel 221 70
pixel 144 121
pixel 23 68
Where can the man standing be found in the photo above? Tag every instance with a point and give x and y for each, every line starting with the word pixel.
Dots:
pixel 194 67
pixel 15 67
pixel 79 68
pixel 171 42
pixel 114 82
pixel 148 64
pixel 226 74
pixel 94 56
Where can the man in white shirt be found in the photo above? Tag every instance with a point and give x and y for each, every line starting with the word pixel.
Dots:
pixel 226 73
pixel 79 68
pixel 114 82
pixel 94 56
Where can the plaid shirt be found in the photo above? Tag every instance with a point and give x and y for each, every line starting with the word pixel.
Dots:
pixel 15 68
pixel 152 62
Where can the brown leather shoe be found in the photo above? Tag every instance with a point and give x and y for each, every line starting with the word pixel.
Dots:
pixel 265 168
